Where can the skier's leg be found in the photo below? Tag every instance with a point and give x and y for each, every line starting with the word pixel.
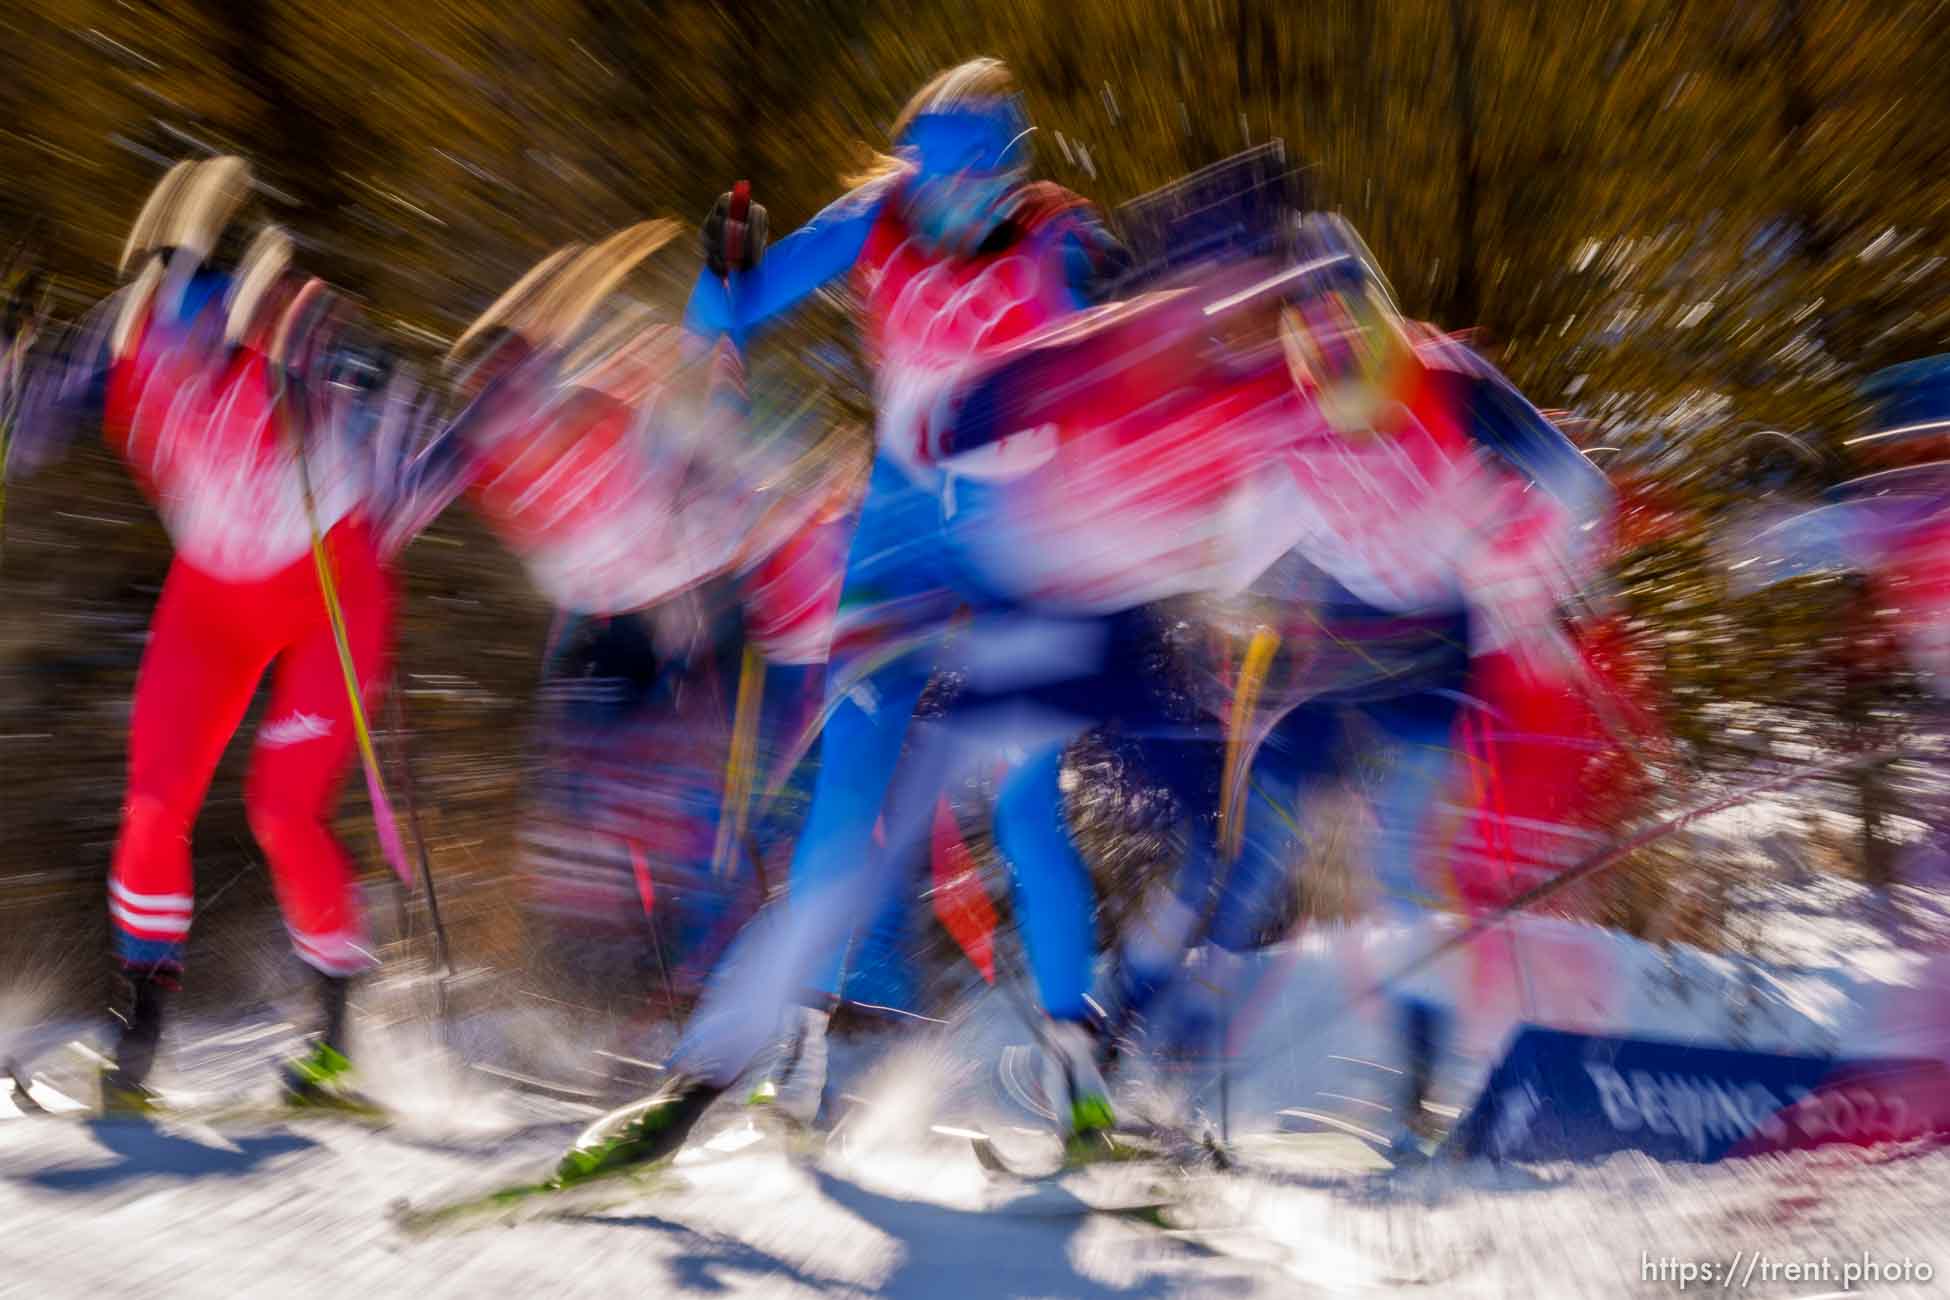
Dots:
pixel 1056 909
pixel 884 891
pixel 305 748
pixel 789 951
pixel 859 752
pixel 838 904
pixel 1056 902
pixel 1209 894
pixel 877 968
pixel 1419 760
pixel 894 558
pixel 835 864
pixel 785 949
pixel 1251 888
pixel 195 682
pixel 194 685
pixel 795 1081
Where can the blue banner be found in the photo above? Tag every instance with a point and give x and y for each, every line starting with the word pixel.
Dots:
pixel 1565 1096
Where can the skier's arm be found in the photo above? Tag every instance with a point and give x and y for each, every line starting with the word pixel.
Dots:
pixel 1502 419
pixel 60 389
pixel 792 270
pixel 1555 531
pixel 415 476
pixel 1538 507
pixel 1094 261
pixel 434 470
pixel 1517 571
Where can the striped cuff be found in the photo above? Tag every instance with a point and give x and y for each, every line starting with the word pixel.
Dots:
pixel 161 918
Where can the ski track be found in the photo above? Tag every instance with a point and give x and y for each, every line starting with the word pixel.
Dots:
pixel 301 1212
pixel 300 1208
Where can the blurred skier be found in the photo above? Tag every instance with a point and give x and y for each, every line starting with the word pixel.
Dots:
pixel 227 384
pixel 952 251
pixel 1417 559
pixel 1442 509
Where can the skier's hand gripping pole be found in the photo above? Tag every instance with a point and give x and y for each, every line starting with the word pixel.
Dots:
pixel 735 232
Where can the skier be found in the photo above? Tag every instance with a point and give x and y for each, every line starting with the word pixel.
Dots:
pixel 952 251
pixel 220 381
pixel 1088 629
pixel 1414 560
pixel 617 461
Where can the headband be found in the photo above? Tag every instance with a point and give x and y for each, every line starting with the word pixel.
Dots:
pixel 983 135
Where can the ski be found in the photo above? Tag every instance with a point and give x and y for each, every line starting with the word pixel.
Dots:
pixel 40 1100
pixel 577 1095
pixel 551 1198
pixel 33 1096
pixel 37 1099
pixel 525 1202
pixel 1083 1182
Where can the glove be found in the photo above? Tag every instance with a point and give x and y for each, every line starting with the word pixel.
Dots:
pixel 730 244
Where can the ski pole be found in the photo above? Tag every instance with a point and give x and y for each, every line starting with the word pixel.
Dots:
pixel 382 807
pixel 7 415
pixel 442 955
pixel 737 225
pixel 1600 860
pixel 1239 753
pixel 646 894
pixel 741 762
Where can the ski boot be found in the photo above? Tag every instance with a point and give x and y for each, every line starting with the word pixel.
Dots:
pixel 323 1078
pixel 1076 1091
pixel 639 1134
pixel 797 1082
pixel 124 1087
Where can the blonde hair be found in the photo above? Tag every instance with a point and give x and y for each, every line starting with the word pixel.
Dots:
pixel 976 79
pixel 268 258
pixel 209 199
pixel 556 296
pixel 157 211
pixel 135 300
pixel 188 210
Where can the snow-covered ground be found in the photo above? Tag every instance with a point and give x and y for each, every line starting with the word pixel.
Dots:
pixel 888 1207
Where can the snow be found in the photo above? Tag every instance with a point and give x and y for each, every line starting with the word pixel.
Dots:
pixel 891 1207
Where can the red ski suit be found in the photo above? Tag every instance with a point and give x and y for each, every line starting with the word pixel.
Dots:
pixel 198 424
